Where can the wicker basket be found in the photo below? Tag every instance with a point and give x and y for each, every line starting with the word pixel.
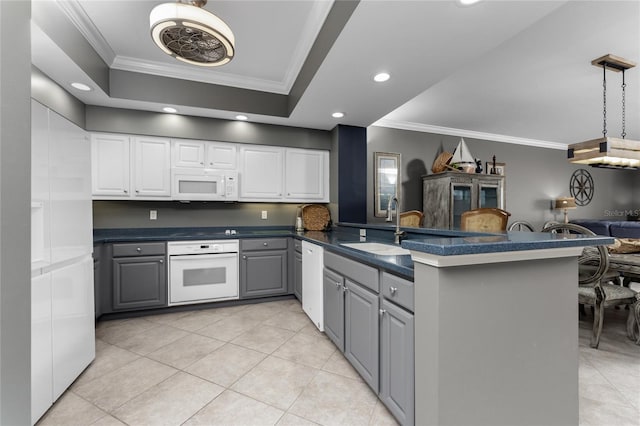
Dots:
pixel 315 217
pixel 441 162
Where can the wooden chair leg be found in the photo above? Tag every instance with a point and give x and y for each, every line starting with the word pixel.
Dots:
pixel 597 324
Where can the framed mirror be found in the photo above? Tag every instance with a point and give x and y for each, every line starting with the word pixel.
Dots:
pixel 386 169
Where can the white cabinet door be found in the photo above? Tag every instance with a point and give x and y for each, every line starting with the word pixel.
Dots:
pixel 72 310
pixel 40 199
pixel 110 165
pixel 188 154
pixel 70 183
pixel 41 362
pixel 151 167
pixel 306 175
pixel 222 156
pixel 261 177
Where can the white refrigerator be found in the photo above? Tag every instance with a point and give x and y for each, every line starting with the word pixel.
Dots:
pixel 62 303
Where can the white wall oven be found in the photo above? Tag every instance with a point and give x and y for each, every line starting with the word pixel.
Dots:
pixel 193 184
pixel 201 271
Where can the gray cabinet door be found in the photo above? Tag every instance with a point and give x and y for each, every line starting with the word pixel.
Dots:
pixel 397 362
pixel 297 275
pixel 263 273
pixel 361 331
pixel 333 307
pixel 139 282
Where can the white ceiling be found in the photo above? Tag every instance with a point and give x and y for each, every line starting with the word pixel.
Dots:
pixel 514 71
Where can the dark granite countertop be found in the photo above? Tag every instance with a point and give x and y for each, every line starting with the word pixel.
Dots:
pixel 433 241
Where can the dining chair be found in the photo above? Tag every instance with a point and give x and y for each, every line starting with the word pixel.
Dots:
pixel 484 220
pixel 595 287
pixel 521 225
pixel 412 218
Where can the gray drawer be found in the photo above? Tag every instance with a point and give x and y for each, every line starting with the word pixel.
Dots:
pixel 297 245
pixel 263 244
pixel 356 271
pixel 138 249
pixel 397 290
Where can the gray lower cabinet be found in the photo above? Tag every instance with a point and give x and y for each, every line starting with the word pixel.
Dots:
pixel 297 270
pixel 350 291
pixel 361 324
pixel 397 379
pixel 333 301
pixel 263 267
pixel 97 252
pixel 139 276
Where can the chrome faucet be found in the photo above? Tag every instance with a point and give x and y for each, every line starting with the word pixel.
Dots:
pixel 398 233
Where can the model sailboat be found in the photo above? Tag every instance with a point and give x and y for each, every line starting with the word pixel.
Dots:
pixel 462 158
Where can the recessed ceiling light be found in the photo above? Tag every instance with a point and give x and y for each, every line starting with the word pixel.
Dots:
pixel 169 110
pixel 337 114
pixel 81 86
pixel 380 77
pixel 242 117
pixel 468 2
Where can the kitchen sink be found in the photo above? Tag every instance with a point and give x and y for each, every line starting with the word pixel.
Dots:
pixel 378 248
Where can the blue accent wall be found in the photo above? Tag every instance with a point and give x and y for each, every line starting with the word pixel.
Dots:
pixel 352 172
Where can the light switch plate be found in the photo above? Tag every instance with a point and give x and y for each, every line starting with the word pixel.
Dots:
pixel 264 214
pixel 153 214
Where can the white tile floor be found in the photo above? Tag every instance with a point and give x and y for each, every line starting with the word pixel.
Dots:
pixel 266 364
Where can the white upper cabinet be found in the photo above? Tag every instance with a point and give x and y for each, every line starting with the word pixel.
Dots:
pixel 125 167
pixel 110 165
pixel 188 153
pixel 222 156
pixel 306 175
pixel 151 167
pixel 199 154
pixel 261 173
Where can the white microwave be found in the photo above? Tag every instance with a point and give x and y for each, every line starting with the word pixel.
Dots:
pixel 204 184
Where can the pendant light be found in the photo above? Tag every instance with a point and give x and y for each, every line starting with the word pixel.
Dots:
pixel 191 34
pixel 607 151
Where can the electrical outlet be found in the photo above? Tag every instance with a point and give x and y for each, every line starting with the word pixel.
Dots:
pixel 153 214
pixel 264 214
pixel 363 232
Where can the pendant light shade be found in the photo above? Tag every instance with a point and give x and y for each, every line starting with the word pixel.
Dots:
pixel 607 151
pixel 191 34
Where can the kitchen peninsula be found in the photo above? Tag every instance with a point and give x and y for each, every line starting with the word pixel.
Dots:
pixel 495 317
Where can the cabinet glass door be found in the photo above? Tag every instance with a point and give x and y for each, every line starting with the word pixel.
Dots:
pixel 461 195
pixel 488 196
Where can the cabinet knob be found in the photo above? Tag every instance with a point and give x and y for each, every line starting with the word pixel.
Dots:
pixel 202 163
pixel 126 192
pixel 137 191
pixel 345 289
pixel 338 285
pixel 244 257
pixel 393 290
pixel 138 249
pixel 161 261
pixel 382 312
pixel 265 244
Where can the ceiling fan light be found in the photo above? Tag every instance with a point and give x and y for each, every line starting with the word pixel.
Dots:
pixel 191 34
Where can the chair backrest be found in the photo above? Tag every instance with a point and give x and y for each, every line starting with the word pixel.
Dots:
pixel 484 220
pixel 593 263
pixel 412 218
pixel 521 225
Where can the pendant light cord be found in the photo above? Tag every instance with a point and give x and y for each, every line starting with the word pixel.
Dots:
pixel 624 132
pixel 604 99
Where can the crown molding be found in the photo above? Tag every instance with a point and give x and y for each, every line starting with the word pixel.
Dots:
pixel 312 27
pixel 203 75
pixel 427 128
pixel 76 14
